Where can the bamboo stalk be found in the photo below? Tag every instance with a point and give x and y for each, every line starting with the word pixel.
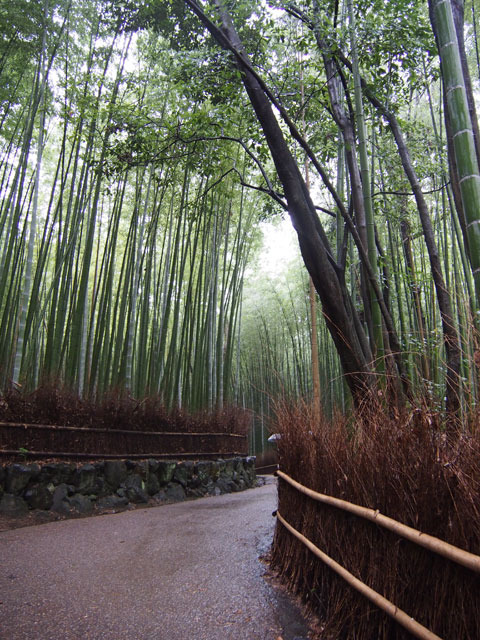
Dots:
pixel 376 337
pixel 462 126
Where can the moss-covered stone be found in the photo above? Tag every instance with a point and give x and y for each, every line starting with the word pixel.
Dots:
pixel 204 469
pixel 112 502
pixel 18 477
pixel 175 492
pixel 80 503
pixel 183 472
pixel 84 479
pixel 60 499
pixel 115 472
pixel 165 471
pixel 12 506
pixel 153 465
pixel 152 484
pixel 57 473
pixel 138 467
pixel 135 489
pixel 38 496
pixel 229 468
pixel 68 488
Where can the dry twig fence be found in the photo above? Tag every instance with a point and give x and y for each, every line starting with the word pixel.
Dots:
pixel 51 441
pixel 431 543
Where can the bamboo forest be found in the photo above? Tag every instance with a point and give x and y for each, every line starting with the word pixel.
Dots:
pixel 260 218
pixel 135 176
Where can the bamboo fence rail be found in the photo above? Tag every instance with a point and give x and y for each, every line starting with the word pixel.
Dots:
pixel 268 468
pixel 13 453
pixel 52 427
pixel 59 441
pixel 449 551
pixel 460 556
pixel 414 627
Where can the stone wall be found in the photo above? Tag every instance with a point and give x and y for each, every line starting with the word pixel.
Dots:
pixel 72 488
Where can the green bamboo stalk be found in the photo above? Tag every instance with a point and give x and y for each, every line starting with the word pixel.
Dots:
pixel 26 289
pixel 377 336
pixel 463 138
pixel 134 291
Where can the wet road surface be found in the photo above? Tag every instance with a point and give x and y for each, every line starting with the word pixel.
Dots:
pixel 186 571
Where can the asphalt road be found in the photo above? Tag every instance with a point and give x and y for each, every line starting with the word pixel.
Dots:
pixel 186 571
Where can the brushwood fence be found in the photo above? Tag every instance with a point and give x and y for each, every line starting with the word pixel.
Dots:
pixel 431 543
pixel 54 441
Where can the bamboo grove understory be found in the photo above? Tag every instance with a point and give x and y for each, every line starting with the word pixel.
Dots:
pixel 139 152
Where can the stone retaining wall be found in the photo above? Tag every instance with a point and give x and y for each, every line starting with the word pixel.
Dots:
pixel 71 489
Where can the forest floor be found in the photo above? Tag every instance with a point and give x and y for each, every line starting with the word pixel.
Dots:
pixel 186 570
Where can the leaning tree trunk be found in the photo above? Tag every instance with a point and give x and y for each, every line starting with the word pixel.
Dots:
pixel 312 240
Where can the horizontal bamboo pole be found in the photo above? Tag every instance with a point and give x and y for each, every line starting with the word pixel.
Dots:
pixel 272 467
pixel 465 558
pixel 52 427
pixel 119 456
pixel 414 627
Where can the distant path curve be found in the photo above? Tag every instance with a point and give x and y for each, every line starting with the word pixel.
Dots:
pixel 186 571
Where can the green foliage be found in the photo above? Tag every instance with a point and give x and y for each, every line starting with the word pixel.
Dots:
pixel 149 137
pixel 171 18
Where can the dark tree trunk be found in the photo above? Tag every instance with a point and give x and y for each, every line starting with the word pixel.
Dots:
pixel 452 346
pixel 314 247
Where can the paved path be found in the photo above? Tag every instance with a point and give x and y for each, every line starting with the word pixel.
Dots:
pixel 186 571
